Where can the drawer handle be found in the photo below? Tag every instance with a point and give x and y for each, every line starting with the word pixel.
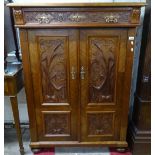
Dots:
pixel 111 19
pixel 82 73
pixel 73 73
pixel 76 17
pixel 43 19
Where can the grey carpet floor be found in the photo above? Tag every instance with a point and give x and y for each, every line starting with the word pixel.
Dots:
pixel 11 146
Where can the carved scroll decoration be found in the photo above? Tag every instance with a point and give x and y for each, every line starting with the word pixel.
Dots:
pixel 53 66
pixel 135 16
pixel 18 15
pixel 102 70
pixel 56 124
pixel 100 124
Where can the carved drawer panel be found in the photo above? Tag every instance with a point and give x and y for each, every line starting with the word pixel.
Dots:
pixel 74 16
pixel 100 124
pixel 56 124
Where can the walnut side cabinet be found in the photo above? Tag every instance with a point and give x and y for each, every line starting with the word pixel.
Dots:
pixel 77 61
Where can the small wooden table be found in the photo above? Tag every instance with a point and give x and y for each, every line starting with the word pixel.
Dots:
pixel 13 83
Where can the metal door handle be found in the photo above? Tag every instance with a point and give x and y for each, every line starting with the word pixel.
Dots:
pixel 82 73
pixel 73 73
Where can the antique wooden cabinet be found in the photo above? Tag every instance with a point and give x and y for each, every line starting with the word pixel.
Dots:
pixel 77 61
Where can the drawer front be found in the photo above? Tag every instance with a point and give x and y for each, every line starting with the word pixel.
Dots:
pixel 76 16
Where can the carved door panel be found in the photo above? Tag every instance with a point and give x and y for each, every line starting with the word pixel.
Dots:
pixel 102 62
pixel 53 57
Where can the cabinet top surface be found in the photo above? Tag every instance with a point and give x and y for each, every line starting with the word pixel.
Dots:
pixel 75 4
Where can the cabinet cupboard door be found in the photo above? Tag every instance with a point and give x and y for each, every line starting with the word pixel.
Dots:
pixel 102 64
pixel 53 58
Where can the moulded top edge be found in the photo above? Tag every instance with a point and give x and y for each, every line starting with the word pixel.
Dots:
pixel 113 4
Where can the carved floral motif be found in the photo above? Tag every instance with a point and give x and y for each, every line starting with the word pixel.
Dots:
pixel 102 70
pixel 44 18
pixel 53 65
pixel 56 124
pixel 100 124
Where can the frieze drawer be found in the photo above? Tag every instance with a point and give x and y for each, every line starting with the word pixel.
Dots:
pixel 77 16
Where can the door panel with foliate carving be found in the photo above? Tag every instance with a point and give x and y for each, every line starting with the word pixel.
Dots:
pixel 102 66
pixel 53 57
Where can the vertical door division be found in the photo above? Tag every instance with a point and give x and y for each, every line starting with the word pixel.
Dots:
pixel 102 67
pixel 53 58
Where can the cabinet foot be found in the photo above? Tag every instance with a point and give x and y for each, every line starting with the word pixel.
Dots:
pixel 121 149
pixel 35 150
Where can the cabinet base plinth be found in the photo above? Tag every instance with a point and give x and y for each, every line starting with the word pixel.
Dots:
pixel 35 150
pixel 48 144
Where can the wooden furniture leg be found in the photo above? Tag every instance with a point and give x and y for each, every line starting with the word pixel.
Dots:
pixel 14 105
